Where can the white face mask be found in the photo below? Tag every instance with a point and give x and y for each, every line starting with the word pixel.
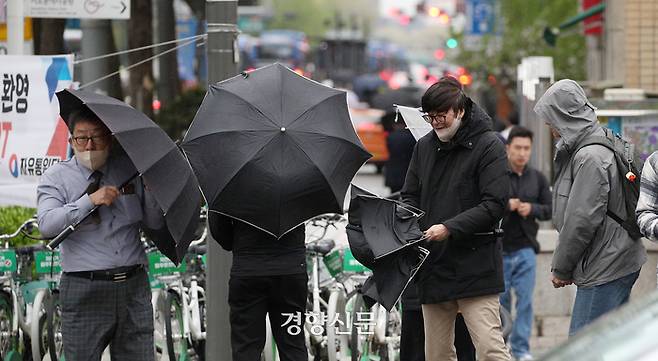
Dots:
pixel 446 134
pixel 92 159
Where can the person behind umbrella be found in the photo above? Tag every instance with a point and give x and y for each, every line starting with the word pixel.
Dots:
pixel 593 251
pixel 530 200
pixel 104 289
pixel 458 175
pixel 268 277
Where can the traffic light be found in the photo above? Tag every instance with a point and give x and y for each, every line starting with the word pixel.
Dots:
pixel 434 12
pixel 439 54
pixel 452 43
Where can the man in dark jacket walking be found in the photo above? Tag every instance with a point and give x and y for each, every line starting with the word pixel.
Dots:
pixel 268 277
pixel 458 176
pixel 530 200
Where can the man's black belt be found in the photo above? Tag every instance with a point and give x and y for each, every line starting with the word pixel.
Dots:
pixel 119 274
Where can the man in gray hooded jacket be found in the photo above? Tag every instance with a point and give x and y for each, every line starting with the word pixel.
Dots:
pixel 594 251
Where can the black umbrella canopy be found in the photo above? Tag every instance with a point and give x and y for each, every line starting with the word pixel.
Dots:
pixel 387 226
pixel 273 148
pixel 161 164
pixel 391 275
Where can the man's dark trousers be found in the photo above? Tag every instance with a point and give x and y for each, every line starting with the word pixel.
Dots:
pixel 251 298
pixel 97 313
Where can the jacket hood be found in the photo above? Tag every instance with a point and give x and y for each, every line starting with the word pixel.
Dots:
pixel 565 107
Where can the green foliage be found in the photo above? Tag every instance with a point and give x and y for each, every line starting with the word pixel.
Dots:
pixel 177 116
pixel 523 26
pixel 310 16
pixel 10 219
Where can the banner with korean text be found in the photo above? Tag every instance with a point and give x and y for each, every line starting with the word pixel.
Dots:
pixel 32 135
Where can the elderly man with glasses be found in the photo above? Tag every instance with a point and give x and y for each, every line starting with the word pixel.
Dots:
pixel 104 289
pixel 458 176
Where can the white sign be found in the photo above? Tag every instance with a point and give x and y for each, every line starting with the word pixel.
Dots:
pixel 81 9
pixel 32 135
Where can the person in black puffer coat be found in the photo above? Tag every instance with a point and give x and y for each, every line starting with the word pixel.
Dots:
pixel 458 176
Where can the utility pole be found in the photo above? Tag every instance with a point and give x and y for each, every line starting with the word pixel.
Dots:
pixel 97 40
pixel 15 27
pixel 221 16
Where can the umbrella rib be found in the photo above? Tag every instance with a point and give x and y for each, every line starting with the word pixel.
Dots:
pixel 251 105
pixel 328 135
pixel 313 107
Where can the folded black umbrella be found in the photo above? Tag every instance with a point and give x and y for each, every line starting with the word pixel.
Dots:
pixel 156 158
pixel 274 149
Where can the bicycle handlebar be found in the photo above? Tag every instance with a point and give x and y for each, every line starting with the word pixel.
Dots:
pixel 30 222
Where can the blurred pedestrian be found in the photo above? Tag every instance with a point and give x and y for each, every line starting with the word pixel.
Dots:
pixel 530 200
pixel 593 250
pixel 400 144
pixel 268 278
pixel 104 290
pixel 458 176
pixel 647 204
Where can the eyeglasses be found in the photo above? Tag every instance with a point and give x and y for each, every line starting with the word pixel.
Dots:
pixel 432 118
pixel 100 140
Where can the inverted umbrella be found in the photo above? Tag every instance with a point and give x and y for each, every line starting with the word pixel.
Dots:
pixel 391 276
pixel 273 148
pixel 384 235
pixel 413 118
pixel 157 159
pixel 387 225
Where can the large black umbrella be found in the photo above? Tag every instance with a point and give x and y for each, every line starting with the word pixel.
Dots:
pixel 157 159
pixel 273 149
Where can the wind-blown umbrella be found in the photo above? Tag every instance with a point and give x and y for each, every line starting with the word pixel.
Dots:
pixel 383 235
pixel 273 149
pixel 413 118
pixel 157 159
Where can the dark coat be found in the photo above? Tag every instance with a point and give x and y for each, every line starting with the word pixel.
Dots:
pixel 464 185
pixel 400 144
pixel 532 187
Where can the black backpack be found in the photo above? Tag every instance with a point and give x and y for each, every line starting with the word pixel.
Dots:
pixel 629 167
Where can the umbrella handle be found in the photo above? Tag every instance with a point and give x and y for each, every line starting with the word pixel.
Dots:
pixel 60 238
pixel 71 228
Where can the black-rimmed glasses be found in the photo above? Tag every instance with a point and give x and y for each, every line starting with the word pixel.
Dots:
pixel 434 118
pixel 96 139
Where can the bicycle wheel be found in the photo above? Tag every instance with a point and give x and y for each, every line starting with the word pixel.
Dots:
pixel 6 316
pixel 175 334
pixel 158 299
pixel 359 341
pixel 38 329
pixel 54 326
pixel 337 343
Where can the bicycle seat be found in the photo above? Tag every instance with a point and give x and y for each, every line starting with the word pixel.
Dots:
pixel 322 246
pixel 27 250
pixel 199 249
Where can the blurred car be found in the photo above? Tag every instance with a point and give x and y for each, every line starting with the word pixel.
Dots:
pixel 372 134
pixel 629 333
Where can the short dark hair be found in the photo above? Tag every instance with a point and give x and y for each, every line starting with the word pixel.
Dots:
pixel 82 114
pixel 519 132
pixel 444 95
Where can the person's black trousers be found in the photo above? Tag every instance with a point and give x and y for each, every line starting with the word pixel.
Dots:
pixel 251 299
pixel 412 340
